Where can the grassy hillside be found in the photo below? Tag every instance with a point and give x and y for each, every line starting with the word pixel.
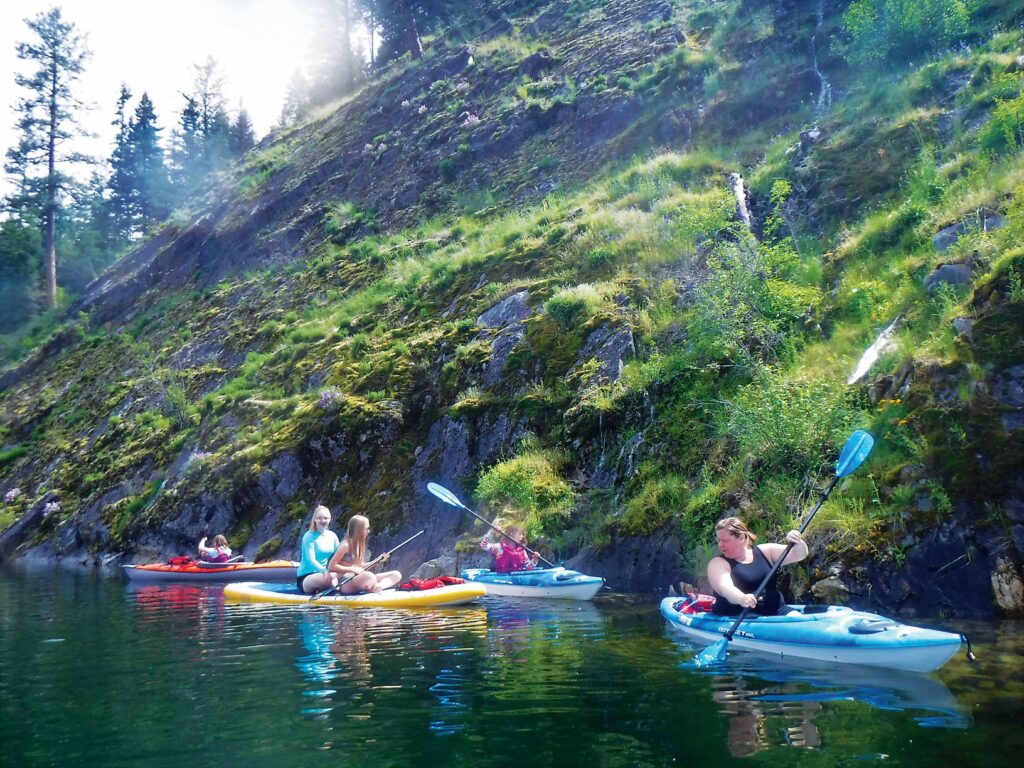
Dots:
pixel 519 267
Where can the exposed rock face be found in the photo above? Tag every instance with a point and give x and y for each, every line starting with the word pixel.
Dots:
pixel 634 563
pixel 537 63
pixel 953 274
pixel 831 590
pixel 1008 587
pixel 984 221
pixel 611 347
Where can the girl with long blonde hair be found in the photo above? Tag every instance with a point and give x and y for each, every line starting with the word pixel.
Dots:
pixel 349 561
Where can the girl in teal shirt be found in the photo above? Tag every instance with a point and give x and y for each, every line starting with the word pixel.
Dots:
pixel 318 545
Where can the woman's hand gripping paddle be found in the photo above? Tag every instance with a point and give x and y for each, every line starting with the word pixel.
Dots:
pixel 450 498
pixel 854 452
pixel 378 559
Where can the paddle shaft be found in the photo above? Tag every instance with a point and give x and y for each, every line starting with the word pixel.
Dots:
pixel 370 564
pixel 778 563
pixel 517 543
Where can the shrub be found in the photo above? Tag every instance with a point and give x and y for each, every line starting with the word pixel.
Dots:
pixel 530 482
pixel 446 167
pixel 654 505
pixel 897 30
pixel 571 307
pixel 745 310
pixel 788 423
pixel 1004 132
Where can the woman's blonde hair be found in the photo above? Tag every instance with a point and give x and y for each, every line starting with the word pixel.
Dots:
pixel 312 518
pixel 219 540
pixel 736 527
pixel 355 535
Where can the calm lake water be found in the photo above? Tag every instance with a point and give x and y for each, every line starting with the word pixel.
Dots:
pixel 94 672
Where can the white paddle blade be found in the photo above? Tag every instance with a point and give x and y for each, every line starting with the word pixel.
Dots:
pixel 445 495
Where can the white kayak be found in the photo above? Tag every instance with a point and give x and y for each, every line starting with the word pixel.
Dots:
pixel 539 582
pixel 827 633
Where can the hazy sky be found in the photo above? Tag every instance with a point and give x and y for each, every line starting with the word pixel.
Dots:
pixel 152 46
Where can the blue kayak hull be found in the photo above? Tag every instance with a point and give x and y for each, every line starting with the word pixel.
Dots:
pixel 559 583
pixel 836 634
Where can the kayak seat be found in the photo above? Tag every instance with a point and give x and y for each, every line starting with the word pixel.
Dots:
pixel 207 564
pixel 808 609
pixel 871 626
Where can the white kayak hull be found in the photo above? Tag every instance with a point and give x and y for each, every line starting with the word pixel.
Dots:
pixel 837 635
pixel 551 583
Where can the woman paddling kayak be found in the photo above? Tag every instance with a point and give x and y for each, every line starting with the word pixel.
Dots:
pixel 737 573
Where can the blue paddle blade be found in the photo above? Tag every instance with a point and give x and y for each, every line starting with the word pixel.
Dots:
pixel 444 494
pixel 854 452
pixel 713 654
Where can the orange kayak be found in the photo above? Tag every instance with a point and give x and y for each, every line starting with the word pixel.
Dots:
pixel 272 570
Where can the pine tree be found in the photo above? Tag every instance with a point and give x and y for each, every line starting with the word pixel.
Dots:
pixel 152 194
pixel 337 63
pixel 296 100
pixel 203 138
pixel 243 137
pixel 214 123
pixel 122 183
pixel 187 154
pixel 46 122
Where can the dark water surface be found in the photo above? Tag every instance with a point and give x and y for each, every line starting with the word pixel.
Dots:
pixel 94 672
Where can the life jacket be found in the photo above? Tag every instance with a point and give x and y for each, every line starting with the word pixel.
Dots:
pixel 694 603
pixel 512 558
pixel 180 560
pixel 418 585
pixel 222 556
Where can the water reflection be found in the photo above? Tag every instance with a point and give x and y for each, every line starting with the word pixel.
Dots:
pixel 518 623
pixel 774 702
pixel 355 659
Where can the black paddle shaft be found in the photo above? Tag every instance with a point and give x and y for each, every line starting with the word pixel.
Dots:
pixel 778 563
pixel 370 564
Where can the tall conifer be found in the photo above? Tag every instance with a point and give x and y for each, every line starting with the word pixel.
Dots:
pixel 46 122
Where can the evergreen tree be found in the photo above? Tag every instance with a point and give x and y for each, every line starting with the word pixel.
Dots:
pixel 296 100
pixel 204 132
pixel 122 184
pixel 337 63
pixel 20 254
pixel 243 137
pixel 46 122
pixel 214 123
pixel 152 193
pixel 188 150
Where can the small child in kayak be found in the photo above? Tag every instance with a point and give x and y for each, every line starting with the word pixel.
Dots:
pixel 220 552
pixel 509 556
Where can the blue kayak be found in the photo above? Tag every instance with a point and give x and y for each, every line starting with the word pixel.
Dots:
pixel 539 582
pixel 827 633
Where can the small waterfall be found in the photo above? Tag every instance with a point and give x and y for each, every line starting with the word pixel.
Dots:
pixel 629 452
pixel 736 185
pixel 825 94
pixel 882 344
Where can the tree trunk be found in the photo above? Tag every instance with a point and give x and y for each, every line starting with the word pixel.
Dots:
pixel 350 59
pixel 50 204
pixel 412 34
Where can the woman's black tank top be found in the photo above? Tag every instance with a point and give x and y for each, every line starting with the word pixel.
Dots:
pixel 747 577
